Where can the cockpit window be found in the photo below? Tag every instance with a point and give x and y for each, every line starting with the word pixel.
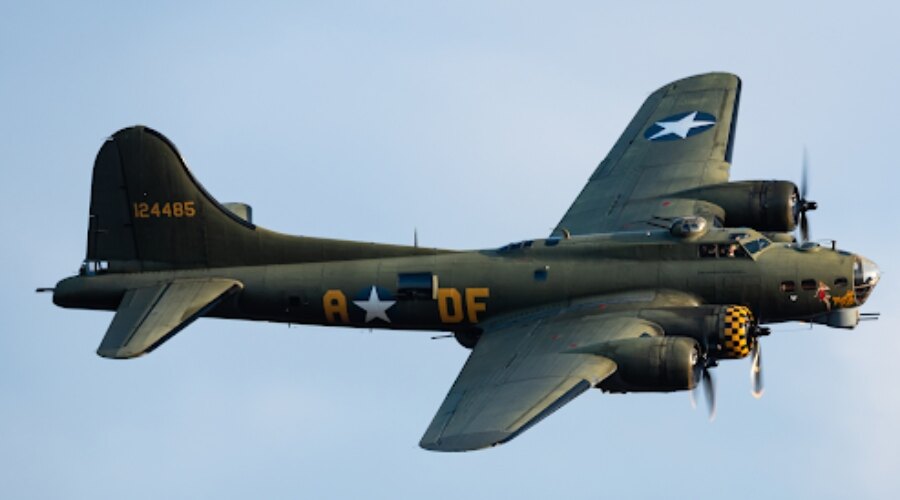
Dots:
pixel 722 251
pixel 731 250
pixel 756 246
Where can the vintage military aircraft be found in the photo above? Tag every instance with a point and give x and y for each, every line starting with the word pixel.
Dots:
pixel 660 269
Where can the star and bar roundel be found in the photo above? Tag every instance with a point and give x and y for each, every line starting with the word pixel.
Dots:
pixel 680 126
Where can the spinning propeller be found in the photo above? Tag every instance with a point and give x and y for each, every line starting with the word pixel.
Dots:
pixel 708 382
pixel 804 205
pixel 704 363
pixel 756 380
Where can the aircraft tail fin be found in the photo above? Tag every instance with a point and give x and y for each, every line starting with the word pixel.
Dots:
pixel 149 213
pixel 147 209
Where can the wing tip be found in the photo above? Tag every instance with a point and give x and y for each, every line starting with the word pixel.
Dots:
pixel 117 354
pixel 711 79
pixel 465 442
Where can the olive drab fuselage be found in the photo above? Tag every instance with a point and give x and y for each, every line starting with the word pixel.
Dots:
pixel 458 290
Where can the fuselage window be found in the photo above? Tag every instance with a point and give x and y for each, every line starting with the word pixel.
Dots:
pixel 416 285
pixel 788 286
pixel 708 250
pixel 92 267
pixel 809 284
pixel 517 246
pixel 840 282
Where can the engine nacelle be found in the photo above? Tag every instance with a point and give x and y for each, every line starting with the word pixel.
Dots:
pixel 652 364
pixel 771 206
pixel 735 333
pixel 723 332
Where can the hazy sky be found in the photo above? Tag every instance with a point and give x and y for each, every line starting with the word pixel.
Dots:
pixel 477 123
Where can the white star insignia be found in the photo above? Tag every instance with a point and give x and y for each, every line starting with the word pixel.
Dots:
pixel 375 307
pixel 681 127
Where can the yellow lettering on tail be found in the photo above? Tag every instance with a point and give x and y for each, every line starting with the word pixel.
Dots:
pixel 167 210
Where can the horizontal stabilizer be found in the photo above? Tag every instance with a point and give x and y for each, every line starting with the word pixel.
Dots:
pixel 149 316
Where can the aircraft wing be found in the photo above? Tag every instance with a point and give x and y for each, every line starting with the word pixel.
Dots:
pixel 681 138
pixel 523 369
pixel 149 316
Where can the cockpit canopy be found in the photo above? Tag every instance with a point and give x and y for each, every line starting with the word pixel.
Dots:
pixel 738 245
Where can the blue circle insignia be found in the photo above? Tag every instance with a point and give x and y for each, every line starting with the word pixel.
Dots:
pixel 380 293
pixel 680 126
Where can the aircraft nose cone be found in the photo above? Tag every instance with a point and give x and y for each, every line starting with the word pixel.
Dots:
pixel 871 273
pixel 865 276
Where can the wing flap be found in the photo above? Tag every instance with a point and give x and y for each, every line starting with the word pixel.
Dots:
pixel 149 316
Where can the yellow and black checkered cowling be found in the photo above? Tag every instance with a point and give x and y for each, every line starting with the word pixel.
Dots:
pixel 736 329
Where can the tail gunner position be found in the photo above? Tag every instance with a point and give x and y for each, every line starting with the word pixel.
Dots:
pixel 660 269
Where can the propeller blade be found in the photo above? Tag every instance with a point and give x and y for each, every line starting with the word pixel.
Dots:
pixel 805 205
pixel 697 368
pixel 756 378
pixel 804 226
pixel 804 175
pixel 709 387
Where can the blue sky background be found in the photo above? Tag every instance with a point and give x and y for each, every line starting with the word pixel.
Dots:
pixel 478 123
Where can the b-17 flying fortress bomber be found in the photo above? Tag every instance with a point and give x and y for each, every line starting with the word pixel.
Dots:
pixel 660 269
